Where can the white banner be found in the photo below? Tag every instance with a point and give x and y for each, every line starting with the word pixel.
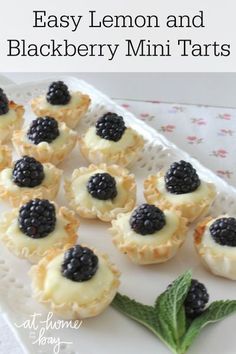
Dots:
pixel 117 36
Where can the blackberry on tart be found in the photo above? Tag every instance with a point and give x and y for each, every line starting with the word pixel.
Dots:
pixel 46 139
pixel 149 235
pixel 180 187
pixel 27 179
pixel 215 243
pixel 75 283
pixel 101 191
pixel 111 141
pixel 62 104
pixel 11 117
pixel 30 230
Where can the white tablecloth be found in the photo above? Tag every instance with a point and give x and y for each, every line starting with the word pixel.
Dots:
pixel 206 133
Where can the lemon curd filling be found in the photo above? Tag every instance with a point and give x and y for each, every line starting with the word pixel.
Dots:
pixel 157 238
pixel 93 141
pixel 199 194
pixel 82 196
pixel 62 290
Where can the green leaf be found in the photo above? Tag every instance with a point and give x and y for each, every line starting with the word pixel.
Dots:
pixel 217 311
pixel 181 320
pixel 145 315
pixel 169 306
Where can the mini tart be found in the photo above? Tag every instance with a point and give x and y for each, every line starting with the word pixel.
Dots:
pixel 191 205
pixel 219 260
pixel 70 113
pixel 48 189
pixel 88 207
pixel 54 152
pixel 5 157
pixel 122 152
pixel 11 121
pixel 70 299
pixel 158 247
pixel 32 249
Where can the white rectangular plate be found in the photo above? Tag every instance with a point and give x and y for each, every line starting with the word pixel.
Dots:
pixel 112 332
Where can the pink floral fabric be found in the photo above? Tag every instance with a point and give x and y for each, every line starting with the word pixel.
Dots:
pixel 206 133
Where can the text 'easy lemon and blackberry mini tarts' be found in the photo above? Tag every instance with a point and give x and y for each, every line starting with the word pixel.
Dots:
pixel 46 140
pixel 11 117
pixel 215 242
pixel 101 191
pixel 30 230
pixel 29 179
pixel 75 283
pixel 110 141
pixel 61 104
pixel 180 188
pixel 149 235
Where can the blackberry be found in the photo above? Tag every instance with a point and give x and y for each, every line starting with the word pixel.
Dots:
pixel 37 218
pixel 110 127
pixel 43 129
pixel 102 186
pixel 147 219
pixel 28 172
pixel 181 178
pixel 4 107
pixel 196 299
pixel 79 264
pixel 58 93
pixel 223 231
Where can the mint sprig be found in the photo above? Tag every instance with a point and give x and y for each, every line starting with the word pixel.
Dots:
pixel 167 319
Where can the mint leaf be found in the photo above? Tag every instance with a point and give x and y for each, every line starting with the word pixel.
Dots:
pixel 217 311
pixel 181 320
pixel 169 307
pixel 145 315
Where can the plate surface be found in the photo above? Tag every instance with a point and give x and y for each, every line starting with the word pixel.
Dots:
pixel 112 332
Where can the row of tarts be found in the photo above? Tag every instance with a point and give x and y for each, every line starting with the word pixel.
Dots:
pixel 74 280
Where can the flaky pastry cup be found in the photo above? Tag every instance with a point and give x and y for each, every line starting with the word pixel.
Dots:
pixel 128 183
pixel 123 157
pixel 149 253
pixel 71 115
pixel 7 130
pixel 33 249
pixel 48 189
pixel 217 261
pixel 45 152
pixel 5 157
pixel 72 310
pixel 190 210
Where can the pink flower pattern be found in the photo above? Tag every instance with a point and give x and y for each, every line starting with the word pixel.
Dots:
pixel 199 121
pixel 194 140
pixel 224 173
pixel 226 132
pixel 219 153
pixel 207 133
pixel 224 116
pixel 144 115
pixel 169 128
